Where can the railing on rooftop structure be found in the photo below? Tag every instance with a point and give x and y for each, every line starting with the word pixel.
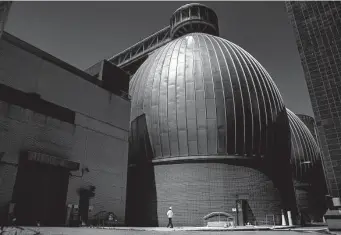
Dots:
pixel 141 48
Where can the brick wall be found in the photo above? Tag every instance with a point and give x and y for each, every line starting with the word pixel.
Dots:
pixel 197 189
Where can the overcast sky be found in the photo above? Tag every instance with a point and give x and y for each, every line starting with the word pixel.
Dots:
pixel 82 33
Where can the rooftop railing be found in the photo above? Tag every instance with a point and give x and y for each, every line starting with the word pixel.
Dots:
pixel 141 48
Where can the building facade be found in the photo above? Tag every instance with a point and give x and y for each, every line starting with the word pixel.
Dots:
pixel 317 30
pixel 4 10
pixel 61 130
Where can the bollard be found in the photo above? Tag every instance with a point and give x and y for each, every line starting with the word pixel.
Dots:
pixel 336 201
pixel 289 218
pixel 284 223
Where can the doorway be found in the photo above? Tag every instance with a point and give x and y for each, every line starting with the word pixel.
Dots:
pixel 244 213
pixel 40 193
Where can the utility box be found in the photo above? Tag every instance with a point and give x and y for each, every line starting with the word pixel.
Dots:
pixel 333 219
pixel 333 215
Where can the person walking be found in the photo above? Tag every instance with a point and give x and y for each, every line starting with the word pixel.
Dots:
pixel 170 216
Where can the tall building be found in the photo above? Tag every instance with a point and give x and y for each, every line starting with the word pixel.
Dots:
pixel 4 10
pixel 317 27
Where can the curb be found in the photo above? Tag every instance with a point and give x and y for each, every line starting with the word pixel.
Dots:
pixel 205 229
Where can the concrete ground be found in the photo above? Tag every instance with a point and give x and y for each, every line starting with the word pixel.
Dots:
pixel 166 231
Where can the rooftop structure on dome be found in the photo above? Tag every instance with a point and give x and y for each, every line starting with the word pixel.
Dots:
pixel 193 17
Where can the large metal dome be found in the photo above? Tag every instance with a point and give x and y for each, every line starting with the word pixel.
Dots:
pixel 305 152
pixel 205 96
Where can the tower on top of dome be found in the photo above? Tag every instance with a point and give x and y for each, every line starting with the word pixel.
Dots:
pixel 194 17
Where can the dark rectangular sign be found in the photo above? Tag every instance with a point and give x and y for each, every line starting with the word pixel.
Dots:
pixel 51 160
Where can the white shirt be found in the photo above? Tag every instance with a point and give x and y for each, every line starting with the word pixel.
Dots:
pixel 170 213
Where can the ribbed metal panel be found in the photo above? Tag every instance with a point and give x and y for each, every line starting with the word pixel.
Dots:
pixel 305 152
pixel 203 95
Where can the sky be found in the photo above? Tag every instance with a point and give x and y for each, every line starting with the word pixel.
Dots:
pixel 83 33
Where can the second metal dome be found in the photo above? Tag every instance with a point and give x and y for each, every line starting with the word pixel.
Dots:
pixel 305 152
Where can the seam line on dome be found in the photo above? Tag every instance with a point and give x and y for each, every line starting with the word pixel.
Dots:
pixel 249 93
pixel 214 100
pixel 253 77
pixel 178 46
pixel 164 56
pixel 134 88
pixel 232 95
pixel 310 135
pixel 223 92
pixel 272 100
pixel 150 117
pixel 139 79
pixel 166 127
pixel 205 150
pixel 301 149
pixel 301 139
pixel 194 94
pixel 185 93
pixel 296 158
pixel 309 139
pixel 195 63
pixel 241 94
pixel 177 93
pixel 275 91
pixel 183 97
pixel 267 98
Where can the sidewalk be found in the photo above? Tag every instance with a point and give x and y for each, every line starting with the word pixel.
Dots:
pixel 155 230
pixel 238 228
